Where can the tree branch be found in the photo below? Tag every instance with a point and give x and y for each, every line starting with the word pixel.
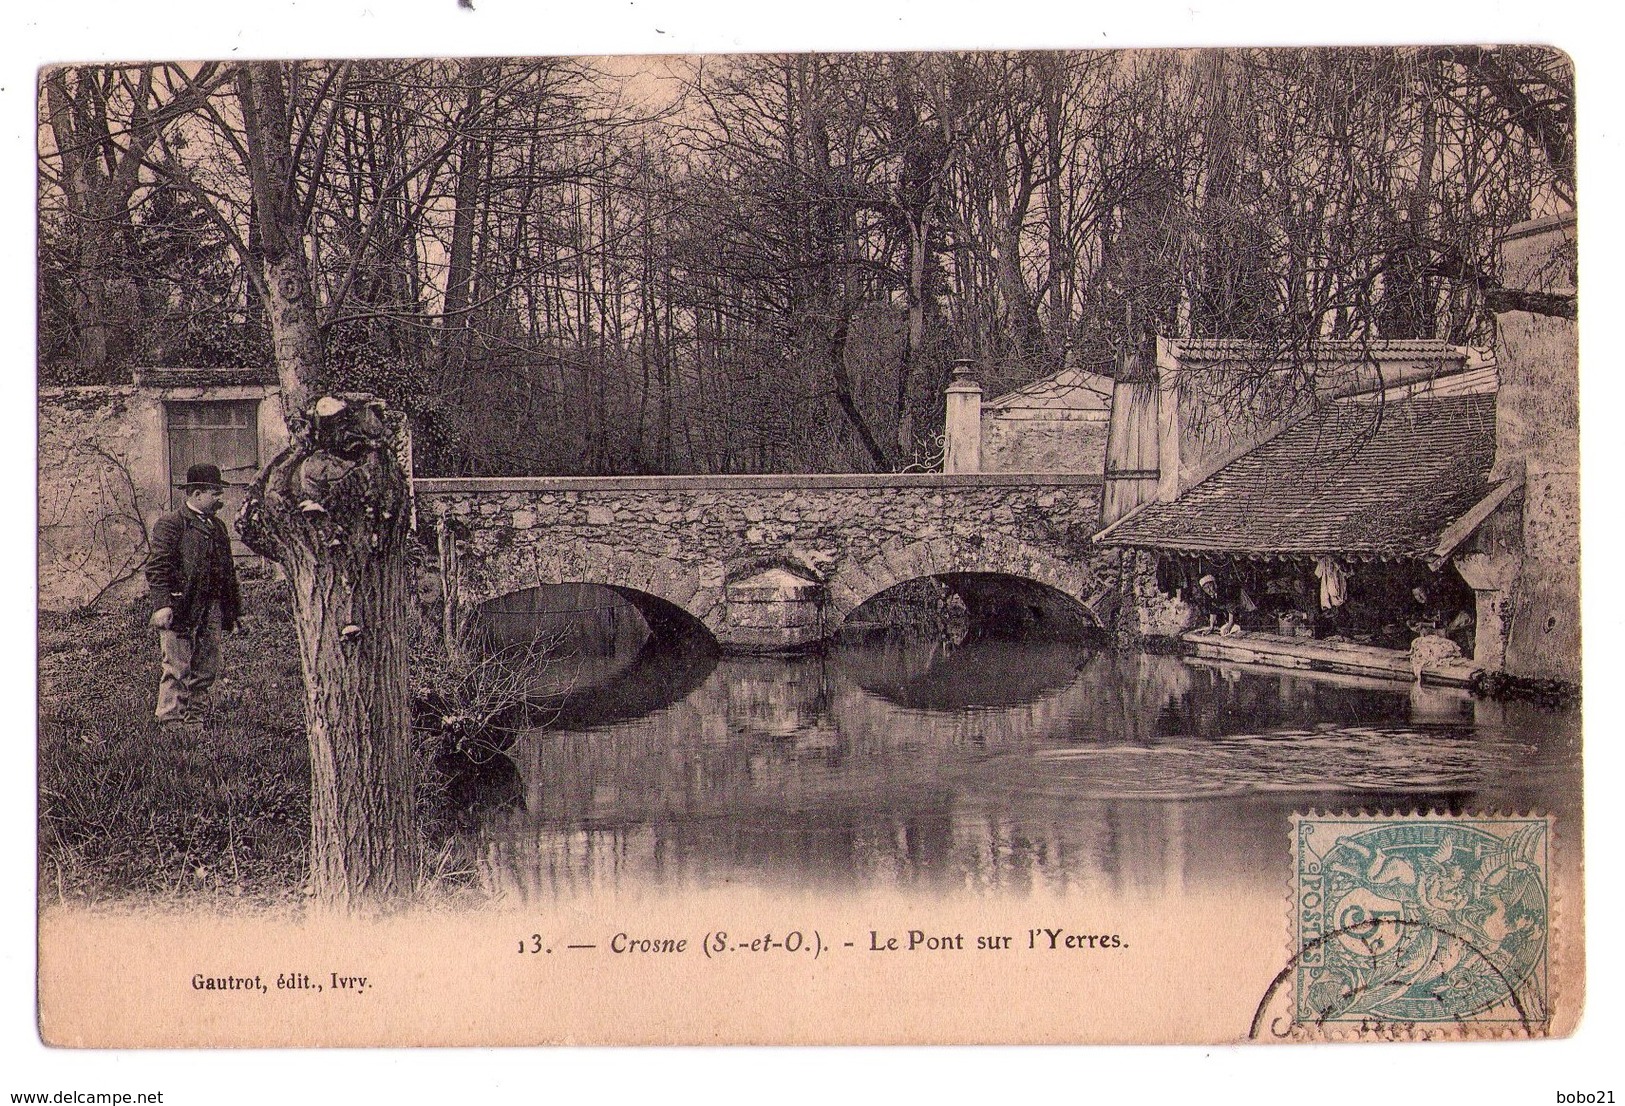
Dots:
pixel 1555 305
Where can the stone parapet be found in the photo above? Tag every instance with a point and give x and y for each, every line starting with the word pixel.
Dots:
pixel 847 481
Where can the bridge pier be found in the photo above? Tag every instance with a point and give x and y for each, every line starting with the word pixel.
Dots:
pixel 772 611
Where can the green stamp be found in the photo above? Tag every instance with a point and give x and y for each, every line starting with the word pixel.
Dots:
pixel 1420 919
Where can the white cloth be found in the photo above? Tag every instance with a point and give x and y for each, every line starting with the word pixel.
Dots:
pixel 1334 583
pixel 1429 650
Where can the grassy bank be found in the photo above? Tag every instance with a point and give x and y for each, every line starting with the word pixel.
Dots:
pixel 127 811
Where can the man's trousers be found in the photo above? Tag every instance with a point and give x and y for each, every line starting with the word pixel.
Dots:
pixel 191 663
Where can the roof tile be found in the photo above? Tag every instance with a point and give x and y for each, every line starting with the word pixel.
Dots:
pixel 1353 478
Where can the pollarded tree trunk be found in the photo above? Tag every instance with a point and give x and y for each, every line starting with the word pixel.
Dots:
pixel 332 509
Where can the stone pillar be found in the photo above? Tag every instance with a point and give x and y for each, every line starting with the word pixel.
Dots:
pixel 1491 576
pixel 963 424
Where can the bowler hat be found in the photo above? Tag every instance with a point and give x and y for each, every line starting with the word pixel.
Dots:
pixel 202 476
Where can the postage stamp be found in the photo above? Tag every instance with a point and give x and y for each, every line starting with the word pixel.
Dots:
pixel 1421 920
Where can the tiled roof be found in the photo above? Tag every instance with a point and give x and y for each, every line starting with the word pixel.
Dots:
pixel 1353 478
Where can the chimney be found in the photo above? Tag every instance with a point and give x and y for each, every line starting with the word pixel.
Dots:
pixel 962 430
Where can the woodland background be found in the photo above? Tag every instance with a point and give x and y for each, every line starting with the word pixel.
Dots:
pixel 767 263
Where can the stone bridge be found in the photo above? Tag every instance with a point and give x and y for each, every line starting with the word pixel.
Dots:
pixel 765 562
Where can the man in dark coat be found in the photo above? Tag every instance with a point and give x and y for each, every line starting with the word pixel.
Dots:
pixel 192 581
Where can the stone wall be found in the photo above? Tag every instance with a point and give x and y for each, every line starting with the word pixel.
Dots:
pixel 97 449
pixel 1149 612
pixel 104 477
pixel 840 539
pixel 1036 442
pixel 1538 436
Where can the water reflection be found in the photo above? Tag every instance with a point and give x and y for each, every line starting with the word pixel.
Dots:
pixel 996 766
pixel 981 672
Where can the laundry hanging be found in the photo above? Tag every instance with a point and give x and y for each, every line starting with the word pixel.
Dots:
pixel 1334 582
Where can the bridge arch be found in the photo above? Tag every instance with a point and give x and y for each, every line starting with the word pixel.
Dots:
pixel 900 561
pixel 658 587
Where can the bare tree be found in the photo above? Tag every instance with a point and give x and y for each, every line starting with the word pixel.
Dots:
pixel 773 272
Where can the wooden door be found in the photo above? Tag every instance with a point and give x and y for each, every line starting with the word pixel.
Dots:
pixel 221 432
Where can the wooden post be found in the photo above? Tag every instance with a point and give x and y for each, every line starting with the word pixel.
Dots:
pixel 1132 444
pixel 450 585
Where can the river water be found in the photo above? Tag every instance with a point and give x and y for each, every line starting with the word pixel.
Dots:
pixel 990 767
